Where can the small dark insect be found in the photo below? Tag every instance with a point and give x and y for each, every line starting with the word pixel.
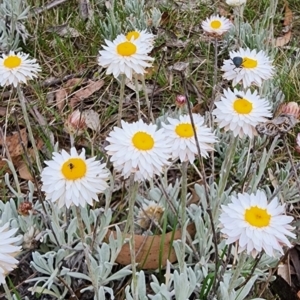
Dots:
pixel 238 61
pixel 71 166
pixel 239 96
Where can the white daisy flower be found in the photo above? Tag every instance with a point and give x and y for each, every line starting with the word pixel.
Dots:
pixel 142 36
pixel 247 66
pixel 236 2
pixel 17 68
pixel 8 250
pixel 125 57
pixel 216 25
pixel 179 137
pixel 240 112
pixel 138 148
pixel 256 224
pixel 73 179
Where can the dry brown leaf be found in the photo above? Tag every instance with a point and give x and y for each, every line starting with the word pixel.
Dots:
pixel 284 271
pixel 61 96
pixel 287 22
pixel 24 172
pixel 288 15
pixel 18 160
pixel 283 40
pixel 86 92
pixel 62 93
pixel 73 82
pixel 4 166
pixel 2 111
pixel 13 144
pixel 92 120
pixel 195 197
pixel 150 249
pixel 64 30
pixel 222 10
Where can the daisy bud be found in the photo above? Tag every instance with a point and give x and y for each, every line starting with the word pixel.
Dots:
pixel 290 108
pixel 180 100
pixel 75 123
pixel 24 208
pixel 151 213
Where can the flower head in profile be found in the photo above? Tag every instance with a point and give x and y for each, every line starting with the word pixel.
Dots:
pixel 142 36
pixel 71 179
pixel 235 2
pixel 290 108
pixel 151 213
pixel 17 68
pixel 181 140
pixel 8 250
pixel 75 123
pixel 240 112
pixel 247 66
pixel 180 100
pixel 256 224
pixel 138 148
pixel 123 56
pixel 216 25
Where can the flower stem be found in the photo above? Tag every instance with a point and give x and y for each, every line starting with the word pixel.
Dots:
pixel 121 100
pixel 183 211
pixel 137 96
pixel 86 252
pixel 211 106
pixel 72 139
pixel 147 99
pixel 237 271
pixel 7 292
pixel 132 197
pixel 225 170
pixel 30 134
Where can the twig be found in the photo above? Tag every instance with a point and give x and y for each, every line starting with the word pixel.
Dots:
pixel 56 81
pixel 154 86
pixel 47 6
pixel 257 260
pixel 204 178
pixel 272 273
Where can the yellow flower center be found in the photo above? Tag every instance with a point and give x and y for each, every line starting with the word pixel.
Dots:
pixel 143 141
pixel 126 49
pixel 249 63
pixel 242 106
pixel 12 62
pixel 74 168
pixel 133 34
pixel 184 130
pixel 257 217
pixel 215 24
